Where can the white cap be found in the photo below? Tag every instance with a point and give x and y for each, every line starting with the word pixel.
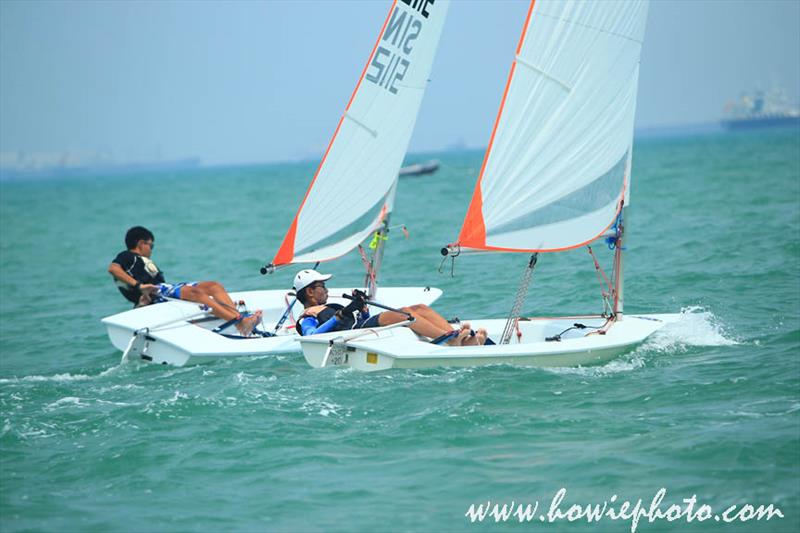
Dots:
pixel 304 278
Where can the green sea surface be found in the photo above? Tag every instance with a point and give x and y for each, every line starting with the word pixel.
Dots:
pixel 709 407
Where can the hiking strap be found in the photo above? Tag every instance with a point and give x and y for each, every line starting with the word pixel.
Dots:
pixel 256 332
pixel 441 339
pixel 230 323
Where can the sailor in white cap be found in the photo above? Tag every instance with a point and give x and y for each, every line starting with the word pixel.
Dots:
pixel 322 317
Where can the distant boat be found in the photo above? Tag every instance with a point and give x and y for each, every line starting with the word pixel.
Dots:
pixel 760 110
pixel 420 169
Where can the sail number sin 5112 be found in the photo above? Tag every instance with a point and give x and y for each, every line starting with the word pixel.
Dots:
pixel 392 57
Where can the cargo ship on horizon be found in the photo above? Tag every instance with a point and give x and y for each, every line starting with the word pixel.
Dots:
pixel 760 110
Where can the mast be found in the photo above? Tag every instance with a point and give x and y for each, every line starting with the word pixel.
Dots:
pixel 374 267
pixel 618 273
pixel 381 236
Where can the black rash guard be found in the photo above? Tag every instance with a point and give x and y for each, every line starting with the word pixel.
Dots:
pixel 139 268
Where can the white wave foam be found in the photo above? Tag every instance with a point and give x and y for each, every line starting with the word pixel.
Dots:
pixel 695 327
pixel 325 408
pixel 178 396
pixel 68 400
pixel 124 387
pixel 616 366
pixel 60 378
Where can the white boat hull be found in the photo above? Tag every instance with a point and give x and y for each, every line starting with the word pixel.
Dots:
pixel 177 332
pixel 384 348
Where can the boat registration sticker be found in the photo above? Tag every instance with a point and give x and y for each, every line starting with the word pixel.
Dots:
pixel 372 358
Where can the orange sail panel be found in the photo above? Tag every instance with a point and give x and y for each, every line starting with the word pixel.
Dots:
pixel 559 156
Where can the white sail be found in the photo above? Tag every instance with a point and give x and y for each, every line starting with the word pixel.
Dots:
pixel 353 189
pixel 559 158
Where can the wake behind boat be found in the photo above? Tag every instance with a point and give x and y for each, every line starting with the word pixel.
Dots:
pixel 556 177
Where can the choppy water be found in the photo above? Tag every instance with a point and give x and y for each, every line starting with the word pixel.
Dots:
pixel 710 406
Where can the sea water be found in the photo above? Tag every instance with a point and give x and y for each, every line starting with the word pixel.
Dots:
pixel 708 409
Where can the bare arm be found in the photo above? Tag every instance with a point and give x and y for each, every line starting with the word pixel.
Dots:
pixel 119 274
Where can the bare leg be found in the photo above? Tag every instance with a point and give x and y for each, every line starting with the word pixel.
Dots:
pixel 216 291
pixel 220 304
pixel 197 294
pixel 422 310
pixel 420 326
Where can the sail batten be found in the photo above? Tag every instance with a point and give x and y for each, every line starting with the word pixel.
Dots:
pixel 534 68
pixel 359 169
pixel 557 167
pixel 359 123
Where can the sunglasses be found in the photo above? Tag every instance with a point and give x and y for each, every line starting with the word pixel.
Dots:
pixel 317 285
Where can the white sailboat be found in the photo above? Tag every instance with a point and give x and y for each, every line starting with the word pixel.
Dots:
pixel 350 199
pixel 556 176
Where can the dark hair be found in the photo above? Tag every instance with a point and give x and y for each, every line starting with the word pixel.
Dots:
pixel 302 295
pixel 136 234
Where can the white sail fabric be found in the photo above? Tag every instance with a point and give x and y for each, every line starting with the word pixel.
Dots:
pixel 353 189
pixel 559 159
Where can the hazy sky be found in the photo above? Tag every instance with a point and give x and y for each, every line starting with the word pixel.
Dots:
pixel 234 82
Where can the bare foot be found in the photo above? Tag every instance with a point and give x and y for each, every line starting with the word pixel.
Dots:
pixel 247 324
pixel 470 339
pixel 462 337
pixel 475 338
pixel 455 340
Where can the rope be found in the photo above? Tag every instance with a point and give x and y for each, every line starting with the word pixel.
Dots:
pixel 604 295
pixel 576 325
pixel 371 276
pixel 513 317
pixel 452 263
pixel 290 310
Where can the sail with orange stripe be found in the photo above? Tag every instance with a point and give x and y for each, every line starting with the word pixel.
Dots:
pixel 352 191
pixel 558 163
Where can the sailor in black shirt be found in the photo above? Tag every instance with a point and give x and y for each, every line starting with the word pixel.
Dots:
pixel 141 282
pixel 140 268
